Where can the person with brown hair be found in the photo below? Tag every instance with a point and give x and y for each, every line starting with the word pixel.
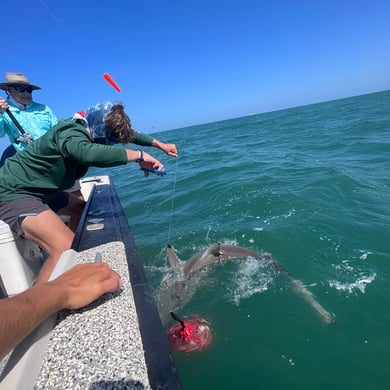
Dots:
pixel 52 163
pixel 97 126
pixel 20 111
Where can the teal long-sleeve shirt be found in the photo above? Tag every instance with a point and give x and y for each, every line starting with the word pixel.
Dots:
pixel 54 162
pixel 36 119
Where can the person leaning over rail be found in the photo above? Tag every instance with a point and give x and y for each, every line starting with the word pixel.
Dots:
pixel 29 179
pixel 62 203
pixel 34 118
pixel 78 287
pixel 95 123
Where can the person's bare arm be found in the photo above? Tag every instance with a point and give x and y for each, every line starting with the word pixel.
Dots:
pixel 169 149
pixel 79 286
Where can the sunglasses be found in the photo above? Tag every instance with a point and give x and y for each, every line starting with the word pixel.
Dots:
pixel 18 88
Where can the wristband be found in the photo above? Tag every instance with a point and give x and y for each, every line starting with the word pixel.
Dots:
pixel 139 158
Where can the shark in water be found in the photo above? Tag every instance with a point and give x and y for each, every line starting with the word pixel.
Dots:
pixel 177 289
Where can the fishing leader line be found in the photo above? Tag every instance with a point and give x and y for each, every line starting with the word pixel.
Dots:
pixel 172 201
pixel 173 189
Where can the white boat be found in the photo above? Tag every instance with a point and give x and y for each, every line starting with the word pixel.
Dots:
pixel 117 341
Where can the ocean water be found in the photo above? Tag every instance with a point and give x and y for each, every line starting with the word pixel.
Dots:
pixel 308 185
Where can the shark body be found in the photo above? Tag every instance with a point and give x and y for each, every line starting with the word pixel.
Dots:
pixel 176 291
pixel 215 253
pixel 177 288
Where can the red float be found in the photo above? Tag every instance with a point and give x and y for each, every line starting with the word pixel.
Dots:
pixel 110 80
pixel 190 334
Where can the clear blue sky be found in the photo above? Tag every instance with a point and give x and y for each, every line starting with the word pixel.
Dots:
pixel 187 62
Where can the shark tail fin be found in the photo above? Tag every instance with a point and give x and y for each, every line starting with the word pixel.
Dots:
pixel 300 289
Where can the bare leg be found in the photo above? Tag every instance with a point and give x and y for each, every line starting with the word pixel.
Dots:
pixel 74 209
pixel 51 234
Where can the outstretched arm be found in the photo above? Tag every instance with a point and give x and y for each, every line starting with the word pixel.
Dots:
pixel 79 286
pixel 169 149
pixel 146 140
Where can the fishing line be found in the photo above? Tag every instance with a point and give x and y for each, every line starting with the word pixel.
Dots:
pixel 172 201
pixel 51 13
pixel 160 135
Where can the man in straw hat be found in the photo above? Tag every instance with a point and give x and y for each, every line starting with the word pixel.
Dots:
pixel 34 118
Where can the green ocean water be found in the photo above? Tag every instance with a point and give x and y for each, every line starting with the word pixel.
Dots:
pixel 309 185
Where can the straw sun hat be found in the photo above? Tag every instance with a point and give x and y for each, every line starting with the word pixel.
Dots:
pixel 13 78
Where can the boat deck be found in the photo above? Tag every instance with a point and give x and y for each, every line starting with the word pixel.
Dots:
pixel 117 342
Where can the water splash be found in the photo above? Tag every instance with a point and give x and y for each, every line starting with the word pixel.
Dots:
pixel 353 278
pixel 359 284
pixel 252 277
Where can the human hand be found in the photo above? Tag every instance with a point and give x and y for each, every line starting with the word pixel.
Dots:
pixel 3 105
pixel 169 149
pixel 150 163
pixel 84 283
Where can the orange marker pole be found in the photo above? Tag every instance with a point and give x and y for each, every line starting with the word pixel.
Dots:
pixel 111 81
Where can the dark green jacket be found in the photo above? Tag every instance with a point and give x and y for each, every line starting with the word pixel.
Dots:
pixel 54 162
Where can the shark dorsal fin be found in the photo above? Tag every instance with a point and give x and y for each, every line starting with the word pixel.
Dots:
pixel 174 261
pixel 214 249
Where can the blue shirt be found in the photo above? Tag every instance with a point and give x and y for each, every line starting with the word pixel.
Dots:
pixel 36 119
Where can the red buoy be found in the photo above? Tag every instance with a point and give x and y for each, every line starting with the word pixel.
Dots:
pixel 191 334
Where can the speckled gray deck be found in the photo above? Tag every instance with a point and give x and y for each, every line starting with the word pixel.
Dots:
pixel 99 346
